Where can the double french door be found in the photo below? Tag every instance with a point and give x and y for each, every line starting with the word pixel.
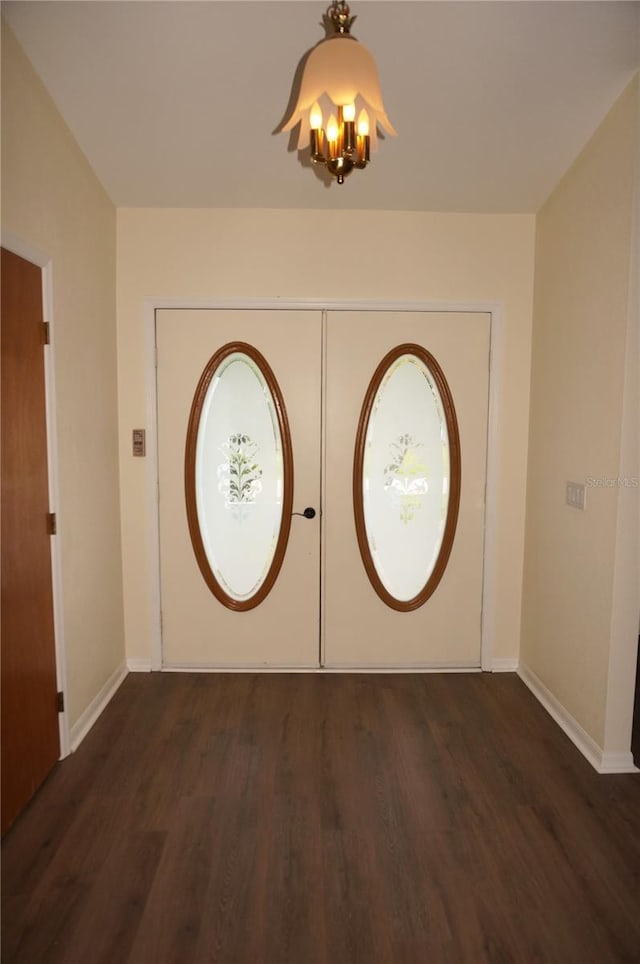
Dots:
pixel 322 608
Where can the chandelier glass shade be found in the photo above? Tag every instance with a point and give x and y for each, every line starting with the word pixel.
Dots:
pixel 339 104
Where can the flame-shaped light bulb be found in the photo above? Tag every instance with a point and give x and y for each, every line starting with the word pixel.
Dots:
pixel 363 141
pixel 348 112
pixel 332 137
pixel 363 123
pixel 315 118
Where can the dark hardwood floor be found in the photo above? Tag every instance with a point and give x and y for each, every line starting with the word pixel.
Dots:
pixel 310 819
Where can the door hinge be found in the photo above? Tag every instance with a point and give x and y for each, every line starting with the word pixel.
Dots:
pixel 52 524
pixel 60 702
pixel 46 333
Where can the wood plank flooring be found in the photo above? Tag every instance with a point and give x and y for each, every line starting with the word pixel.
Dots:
pixel 321 819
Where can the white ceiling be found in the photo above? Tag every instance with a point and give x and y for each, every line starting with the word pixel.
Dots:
pixel 175 103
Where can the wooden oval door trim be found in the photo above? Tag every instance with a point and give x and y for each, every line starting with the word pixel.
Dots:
pixel 212 366
pixel 453 504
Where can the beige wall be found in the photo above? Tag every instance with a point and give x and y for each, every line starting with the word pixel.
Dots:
pixel 580 600
pixel 200 254
pixel 52 201
pixel 577 562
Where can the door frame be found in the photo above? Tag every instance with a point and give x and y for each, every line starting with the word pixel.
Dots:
pixel 42 260
pixel 495 310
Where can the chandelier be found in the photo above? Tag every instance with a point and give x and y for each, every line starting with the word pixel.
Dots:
pixel 339 82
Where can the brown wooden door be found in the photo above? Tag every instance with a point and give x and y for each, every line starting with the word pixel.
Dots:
pixel 30 739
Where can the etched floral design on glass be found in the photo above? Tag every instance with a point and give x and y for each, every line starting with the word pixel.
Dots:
pixel 239 475
pixel 405 476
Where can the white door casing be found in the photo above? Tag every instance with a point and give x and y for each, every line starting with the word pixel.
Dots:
pixel 31 253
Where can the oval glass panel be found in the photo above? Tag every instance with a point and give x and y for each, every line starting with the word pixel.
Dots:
pixel 407 477
pixel 239 476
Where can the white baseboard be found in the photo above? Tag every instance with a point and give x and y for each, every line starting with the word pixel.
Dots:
pixel 412 668
pixel 139 665
pixel 86 720
pixel 599 760
pixel 233 668
pixel 504 665
pixel 334 668
pixel 618 763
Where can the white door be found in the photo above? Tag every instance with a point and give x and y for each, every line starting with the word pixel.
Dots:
pixel 359 628
pixel 197 629
pixel 323 607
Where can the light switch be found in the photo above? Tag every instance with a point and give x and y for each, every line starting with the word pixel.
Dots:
pixel 576 495
pixel 139 442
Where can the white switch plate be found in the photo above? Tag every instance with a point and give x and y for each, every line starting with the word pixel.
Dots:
pixel 576 495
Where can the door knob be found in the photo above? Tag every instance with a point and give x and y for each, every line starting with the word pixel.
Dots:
pixel 308 513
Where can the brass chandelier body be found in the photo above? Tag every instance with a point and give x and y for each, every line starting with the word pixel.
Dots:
pixel 339 148
pixel 340 75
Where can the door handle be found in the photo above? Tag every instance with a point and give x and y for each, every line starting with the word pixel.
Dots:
pixel 309 513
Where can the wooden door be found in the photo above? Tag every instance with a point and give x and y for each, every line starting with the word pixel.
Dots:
pixel 30 736
pixel 198 629
pixel 360 630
